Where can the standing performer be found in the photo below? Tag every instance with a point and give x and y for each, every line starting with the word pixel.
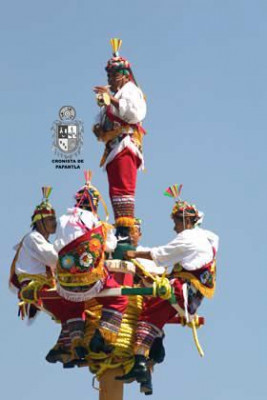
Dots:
pixel 192 252
pixel 35 260
pixel 123 109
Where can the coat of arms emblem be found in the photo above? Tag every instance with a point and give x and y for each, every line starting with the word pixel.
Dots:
pixel 67 133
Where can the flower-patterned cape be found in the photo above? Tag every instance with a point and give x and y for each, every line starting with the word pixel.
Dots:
pixel 81 262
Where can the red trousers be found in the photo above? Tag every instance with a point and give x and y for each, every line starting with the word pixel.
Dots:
pixel 158 312
pixel 122 171
pixel 117 303
pixel 63 310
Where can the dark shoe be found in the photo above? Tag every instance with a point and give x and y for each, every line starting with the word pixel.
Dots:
pixel 157 351
pixel 81 352
pixel 98 344
pixel 75 363
pixel 139 372
pixel 32 311
pixel 70 364
pixel 55 355
pixel 146 387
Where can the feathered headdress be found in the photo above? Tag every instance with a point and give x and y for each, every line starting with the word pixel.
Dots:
pixel 88 196
pixel 44 209
pixel 118 63
pixel 181 208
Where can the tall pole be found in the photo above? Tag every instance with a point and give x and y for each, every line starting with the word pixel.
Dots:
pixel 110 389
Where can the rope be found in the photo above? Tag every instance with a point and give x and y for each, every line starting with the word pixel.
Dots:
pixel 161 285
pixel 163 289
pixel 122 355
pixel 194 330
pixel 32 288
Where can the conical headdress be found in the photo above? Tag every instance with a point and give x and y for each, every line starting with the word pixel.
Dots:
pixel 118 63
pixel 44 209
pixel 88 196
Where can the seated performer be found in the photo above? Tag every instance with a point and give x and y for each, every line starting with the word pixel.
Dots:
pixel 135 235
pixel 32 272
pixel 123 107
pixel 157 350
pixel 81 241
pixel 119 265
pixel 35 260
pixel 192 252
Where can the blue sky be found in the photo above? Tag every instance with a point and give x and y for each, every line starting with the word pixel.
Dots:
pixel 202 66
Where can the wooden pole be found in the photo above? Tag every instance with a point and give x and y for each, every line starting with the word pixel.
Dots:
pixel 110 389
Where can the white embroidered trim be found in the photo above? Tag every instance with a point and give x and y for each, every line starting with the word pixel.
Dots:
pixel 80 296
pixel 126 142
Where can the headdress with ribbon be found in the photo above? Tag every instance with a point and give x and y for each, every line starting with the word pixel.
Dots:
pixel 44 209
pixel 118 63
pixel 181 208
pixel 88 196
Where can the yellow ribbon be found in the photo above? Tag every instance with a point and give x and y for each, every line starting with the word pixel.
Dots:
pixel 194 330
pixel 35 284
pixel 163 282
pixel 123 355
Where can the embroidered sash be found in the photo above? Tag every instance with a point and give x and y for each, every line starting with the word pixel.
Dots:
pixel 115 135
pixel 203 279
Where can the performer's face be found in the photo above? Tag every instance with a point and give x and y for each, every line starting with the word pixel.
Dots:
pixel 116 81
pixel 50 224
pixel 135 236
pixel 180 224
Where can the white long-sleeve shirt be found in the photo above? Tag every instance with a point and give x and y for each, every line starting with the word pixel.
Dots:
pixel 73 225
pixel 149 265
pixel 132 110
pixel 35 254
pixel 132 105
pixel 192 248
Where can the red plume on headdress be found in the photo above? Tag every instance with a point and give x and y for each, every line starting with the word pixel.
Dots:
pixel 88 174
pixel 89 195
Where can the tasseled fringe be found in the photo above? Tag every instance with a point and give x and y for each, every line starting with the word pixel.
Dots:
pixel 125 221
pixel 80 296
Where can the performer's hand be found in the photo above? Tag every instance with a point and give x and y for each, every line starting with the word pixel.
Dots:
pixel 101 89
pixel 100 134
pixel 97 130
pixel 147 281
pixel 129 254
